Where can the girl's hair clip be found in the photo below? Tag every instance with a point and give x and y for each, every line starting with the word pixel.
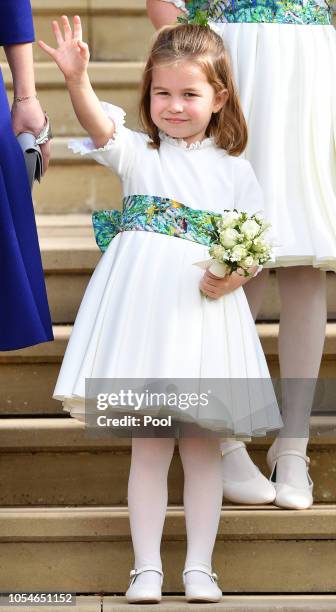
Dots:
pixel 200 18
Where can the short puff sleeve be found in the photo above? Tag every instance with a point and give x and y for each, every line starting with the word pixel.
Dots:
pixel 119 153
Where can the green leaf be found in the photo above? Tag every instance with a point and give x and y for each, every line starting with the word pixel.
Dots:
pixel 200 18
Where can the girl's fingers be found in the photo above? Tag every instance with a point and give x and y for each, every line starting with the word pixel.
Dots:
pixel 46 48
pixel 212 276
pixel 78 34
pixel 208 290
pixel 66 28
pixel 58 33
pixel 84 49
pixel 211 280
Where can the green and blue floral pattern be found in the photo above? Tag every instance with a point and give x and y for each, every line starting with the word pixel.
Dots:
pixel 154 214
pixel 314 12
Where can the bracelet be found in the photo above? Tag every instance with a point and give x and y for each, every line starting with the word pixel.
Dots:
pixel 23 98
pixel 46 133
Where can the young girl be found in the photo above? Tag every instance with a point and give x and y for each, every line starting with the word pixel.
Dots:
pixel 283 57
pixel 143 314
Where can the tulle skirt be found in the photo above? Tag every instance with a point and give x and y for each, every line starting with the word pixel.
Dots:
pixel 143 317
pixel 286 80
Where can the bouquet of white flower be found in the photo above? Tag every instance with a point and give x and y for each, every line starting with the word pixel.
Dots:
pixel 238 243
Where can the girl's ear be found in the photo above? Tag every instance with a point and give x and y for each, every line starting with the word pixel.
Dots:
pixel 220 100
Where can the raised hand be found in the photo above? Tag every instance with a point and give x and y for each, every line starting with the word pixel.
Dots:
pixel 72 54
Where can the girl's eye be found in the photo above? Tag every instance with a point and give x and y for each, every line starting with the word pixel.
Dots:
pixel 162 93
pixel 189 94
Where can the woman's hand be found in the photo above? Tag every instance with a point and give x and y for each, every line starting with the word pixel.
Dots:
pixel 162 13
pixel 28 116
pixel 215 287
pixel 72 54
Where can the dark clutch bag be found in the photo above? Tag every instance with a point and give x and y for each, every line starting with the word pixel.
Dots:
pixel 33 157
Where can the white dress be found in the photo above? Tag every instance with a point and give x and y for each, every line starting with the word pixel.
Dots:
pixel 285 73
pixel 142 315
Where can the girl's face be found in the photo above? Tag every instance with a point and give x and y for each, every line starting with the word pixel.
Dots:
pixel 182 100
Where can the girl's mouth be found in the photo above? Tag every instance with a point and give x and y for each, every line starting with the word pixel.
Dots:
pixel 176 121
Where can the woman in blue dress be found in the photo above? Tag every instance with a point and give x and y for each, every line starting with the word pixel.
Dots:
pixel 283 54
pixel 24 312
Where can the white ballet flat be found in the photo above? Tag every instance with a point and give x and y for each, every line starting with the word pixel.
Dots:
pixel 257 490
pixel 141 594
pixel 200 592
pixel 288 496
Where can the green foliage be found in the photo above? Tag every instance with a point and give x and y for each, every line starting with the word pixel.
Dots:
pixel 199 18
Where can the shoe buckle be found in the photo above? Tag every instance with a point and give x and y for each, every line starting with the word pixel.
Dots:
pixel 133 574
pixel 214 577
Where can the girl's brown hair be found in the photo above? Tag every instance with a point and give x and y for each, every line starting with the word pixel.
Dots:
pixel 202 45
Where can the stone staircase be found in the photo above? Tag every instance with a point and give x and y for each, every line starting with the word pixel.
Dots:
pixel 63 495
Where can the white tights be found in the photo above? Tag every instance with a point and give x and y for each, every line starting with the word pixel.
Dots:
pixel 148 497
pixel 301 338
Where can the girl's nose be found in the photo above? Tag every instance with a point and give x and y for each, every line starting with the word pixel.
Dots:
pixel 176 105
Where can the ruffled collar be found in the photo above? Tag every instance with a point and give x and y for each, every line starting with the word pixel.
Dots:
pixel 182 144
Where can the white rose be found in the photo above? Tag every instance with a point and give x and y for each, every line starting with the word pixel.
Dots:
pixel 250 228
pixel 259 218
pixel 260 245
pixel 217 251
pixel 229 218
pixel 229 237
pixel 238 253
pixel 248 262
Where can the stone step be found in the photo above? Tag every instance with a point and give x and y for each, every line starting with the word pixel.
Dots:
pixel 88 550
pixel 237 603
pixel 113 29
pixel 75 184
pixel 28 376
pixel 229 603
pixel 54 462
pixel 116 82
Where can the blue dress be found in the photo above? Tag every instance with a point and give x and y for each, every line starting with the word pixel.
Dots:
pixel 24 312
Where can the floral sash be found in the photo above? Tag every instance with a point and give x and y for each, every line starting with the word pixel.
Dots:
pixel 299 12
pixel 154 214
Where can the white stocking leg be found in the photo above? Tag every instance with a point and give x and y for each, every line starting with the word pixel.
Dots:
pixel 255 291
pixel 202 501
pixel 147 501
pixel 301 338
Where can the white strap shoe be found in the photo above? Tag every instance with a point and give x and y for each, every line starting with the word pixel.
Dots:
pixel 137 593
pixel 257 490
pixel 201 592
pixel 288 496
